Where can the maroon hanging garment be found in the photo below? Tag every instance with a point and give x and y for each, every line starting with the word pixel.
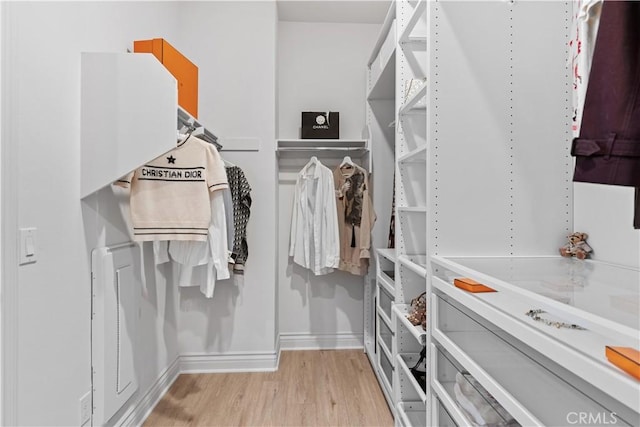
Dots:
pixel 608 148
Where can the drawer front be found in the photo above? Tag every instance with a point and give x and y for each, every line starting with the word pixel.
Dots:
pixel 444 419
pixel 473 403
pixel 386 369
pixel 531 387
pixel 385 300
pixel 386 336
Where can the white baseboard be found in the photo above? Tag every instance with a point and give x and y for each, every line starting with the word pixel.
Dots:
pixel 138 413
pixel 304 341
pixel 229 362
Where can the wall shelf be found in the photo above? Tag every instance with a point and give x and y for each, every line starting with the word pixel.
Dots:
pixel 412 209
pixel 328 147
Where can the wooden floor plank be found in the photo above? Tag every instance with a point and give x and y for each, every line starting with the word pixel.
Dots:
pixel 310 388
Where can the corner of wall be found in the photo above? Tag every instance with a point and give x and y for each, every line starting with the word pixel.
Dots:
pixel 138 412
pixel 8 228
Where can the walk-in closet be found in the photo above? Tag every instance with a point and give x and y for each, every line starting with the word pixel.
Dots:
pixel 320 213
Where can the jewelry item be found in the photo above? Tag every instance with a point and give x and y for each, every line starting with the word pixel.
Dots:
pixel 535 315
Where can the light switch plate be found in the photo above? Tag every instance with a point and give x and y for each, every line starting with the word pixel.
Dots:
pixel 27 247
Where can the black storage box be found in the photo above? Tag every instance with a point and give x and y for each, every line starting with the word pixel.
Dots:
pixel 320 125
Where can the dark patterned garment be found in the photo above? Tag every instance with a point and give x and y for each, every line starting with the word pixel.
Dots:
pixel 353 198
pixel 241 197
pixel 392 224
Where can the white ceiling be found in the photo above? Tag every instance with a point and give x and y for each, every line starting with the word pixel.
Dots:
pixel 352 11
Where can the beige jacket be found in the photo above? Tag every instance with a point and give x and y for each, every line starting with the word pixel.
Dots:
pixel 355 218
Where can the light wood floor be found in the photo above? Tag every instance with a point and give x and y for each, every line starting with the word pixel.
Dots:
pixel 311 388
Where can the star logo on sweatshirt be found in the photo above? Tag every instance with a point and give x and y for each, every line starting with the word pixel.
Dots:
pixel 171 160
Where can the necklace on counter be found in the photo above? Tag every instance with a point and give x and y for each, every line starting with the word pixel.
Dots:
pixel 535 315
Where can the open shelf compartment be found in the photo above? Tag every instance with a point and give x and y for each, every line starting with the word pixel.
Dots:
pixel 409 387
pixel 413 184
pixel 416 29
pixel 401 311
pixel 415 104
pixel 417 155
pixel 383 87
pixel 412 414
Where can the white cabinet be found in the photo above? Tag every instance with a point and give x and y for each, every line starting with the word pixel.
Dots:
pixel 128 115
pixel 540 373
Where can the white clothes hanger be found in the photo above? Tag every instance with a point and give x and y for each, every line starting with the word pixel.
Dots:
pixel 346 161
pixel 311 165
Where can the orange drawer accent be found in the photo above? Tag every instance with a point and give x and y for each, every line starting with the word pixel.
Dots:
pixel 471 285
pixel 625 358
pixel 185 71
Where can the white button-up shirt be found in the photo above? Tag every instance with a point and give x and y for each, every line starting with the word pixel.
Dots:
pixel 315 241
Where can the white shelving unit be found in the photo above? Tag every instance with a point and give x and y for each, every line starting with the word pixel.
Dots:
pixel 382 346
pixel 400 55
pixel 380 107
pixel 496 219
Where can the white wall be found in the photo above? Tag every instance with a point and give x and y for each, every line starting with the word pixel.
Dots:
pixel 54 293
pixel 1 205
pixel 605 212
pixel 234 44
pixel 321 67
